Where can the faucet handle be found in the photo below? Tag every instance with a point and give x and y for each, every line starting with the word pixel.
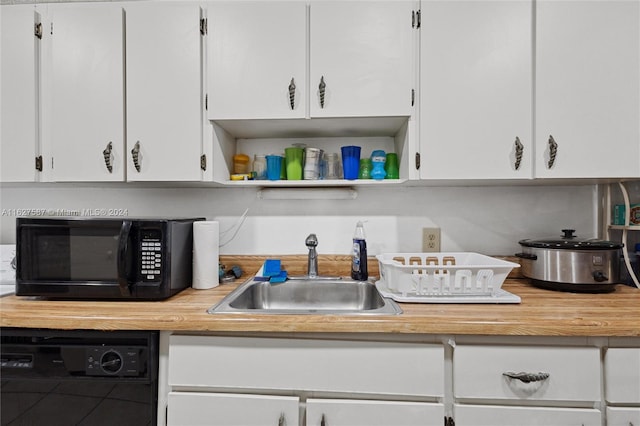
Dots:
pixel 311 241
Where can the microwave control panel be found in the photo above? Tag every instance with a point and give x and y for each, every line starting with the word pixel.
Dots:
pixel 151 255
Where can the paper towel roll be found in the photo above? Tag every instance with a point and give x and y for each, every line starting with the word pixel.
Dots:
pixel 205 254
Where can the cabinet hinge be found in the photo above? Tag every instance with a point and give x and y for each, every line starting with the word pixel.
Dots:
pixel 413 97
pixel 203 162
pixel 417 161
pixel 203 26
pixel 39 163
pixel 415 19
pixel 38 30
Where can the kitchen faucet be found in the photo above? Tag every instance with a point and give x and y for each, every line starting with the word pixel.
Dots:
pixel 312 261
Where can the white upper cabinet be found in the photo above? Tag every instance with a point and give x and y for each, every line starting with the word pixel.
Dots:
pixel 362 55
pixel 257 60
pixel 164 91
pixel 19 91
pixel 587 89
pixel 87 92
pixel 476 89
pixel 260 53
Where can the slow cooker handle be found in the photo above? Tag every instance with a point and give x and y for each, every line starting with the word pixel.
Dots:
pixel 527 256
pixel 599 276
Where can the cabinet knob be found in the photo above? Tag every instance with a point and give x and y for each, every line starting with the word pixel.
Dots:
pixel 527 377
pixel 553 151
pixel 108 157
pixel 322 88
pixel 292 93
pixel 135 153
pixel 519 150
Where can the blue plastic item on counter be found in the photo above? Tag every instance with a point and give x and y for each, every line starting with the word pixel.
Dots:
pixel 271 268
pixel 280 278
pixel 378 158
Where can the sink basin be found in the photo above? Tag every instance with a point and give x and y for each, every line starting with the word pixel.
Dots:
pixel 307 296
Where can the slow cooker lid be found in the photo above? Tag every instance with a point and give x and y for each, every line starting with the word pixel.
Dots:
pixel 571 242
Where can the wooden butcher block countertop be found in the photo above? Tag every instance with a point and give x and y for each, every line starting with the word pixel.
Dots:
pixel 540 313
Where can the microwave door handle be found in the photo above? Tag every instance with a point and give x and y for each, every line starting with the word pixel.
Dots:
pixel 123 251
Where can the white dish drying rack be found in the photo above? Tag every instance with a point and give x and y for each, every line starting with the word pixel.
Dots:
pixel 444 278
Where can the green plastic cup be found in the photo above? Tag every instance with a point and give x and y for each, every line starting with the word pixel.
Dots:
pixel 294 161
pixel 391 166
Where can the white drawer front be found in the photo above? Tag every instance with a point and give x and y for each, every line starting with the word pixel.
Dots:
pixel 218 409
pixel 344 412
pixel 618 416
pixel 622 375
pixel 573 373
pixel 495 415
pixel 313 365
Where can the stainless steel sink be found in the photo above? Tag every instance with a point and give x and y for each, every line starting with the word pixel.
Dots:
pixel 307 296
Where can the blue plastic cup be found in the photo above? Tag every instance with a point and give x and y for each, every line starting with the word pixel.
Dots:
pixel 350 161
pixel 274 166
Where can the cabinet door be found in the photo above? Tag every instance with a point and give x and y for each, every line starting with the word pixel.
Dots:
pixel 164 92
pixel 363 52
pixel 475 95
pixel 588 88
pixel 622 375
pixel 87 111
pixel 20 57
pixel 219 409
pixel 492 415
pixel 255 51
pixel 623 416
pixel 340 412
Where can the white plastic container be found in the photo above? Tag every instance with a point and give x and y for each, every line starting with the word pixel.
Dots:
pixel 421 277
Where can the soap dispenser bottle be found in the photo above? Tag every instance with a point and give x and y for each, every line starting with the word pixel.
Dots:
pixel 359 255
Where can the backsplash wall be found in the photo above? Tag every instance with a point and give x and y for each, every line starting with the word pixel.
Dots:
pixel 488 220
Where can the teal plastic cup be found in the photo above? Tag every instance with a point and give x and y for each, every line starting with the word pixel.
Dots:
pixel 274 166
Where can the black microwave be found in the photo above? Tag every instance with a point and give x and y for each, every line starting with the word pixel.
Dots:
pixel 103 258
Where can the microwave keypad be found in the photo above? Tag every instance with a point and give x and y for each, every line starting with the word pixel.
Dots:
pixel 151 261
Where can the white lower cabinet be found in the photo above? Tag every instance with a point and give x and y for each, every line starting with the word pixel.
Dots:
pixel 622 386
pixel 526 385
pixel 200 408
pixel 468 381
pixel 496 415
pixel 527 373
pixel 338 412
pixel 623 416
pixel 217 380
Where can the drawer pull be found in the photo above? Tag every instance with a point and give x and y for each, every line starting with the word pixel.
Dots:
pixel 527 377
pixel 519 150
pixel 323 422
pixel 108 157
pixel 135 154
pixel 292 94
pixel 281 420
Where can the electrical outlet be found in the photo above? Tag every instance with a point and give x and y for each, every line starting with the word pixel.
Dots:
pixel 430 240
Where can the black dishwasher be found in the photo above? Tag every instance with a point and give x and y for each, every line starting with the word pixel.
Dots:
pixel 78 377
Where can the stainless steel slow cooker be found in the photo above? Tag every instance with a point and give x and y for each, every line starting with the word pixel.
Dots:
pixel 570 263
